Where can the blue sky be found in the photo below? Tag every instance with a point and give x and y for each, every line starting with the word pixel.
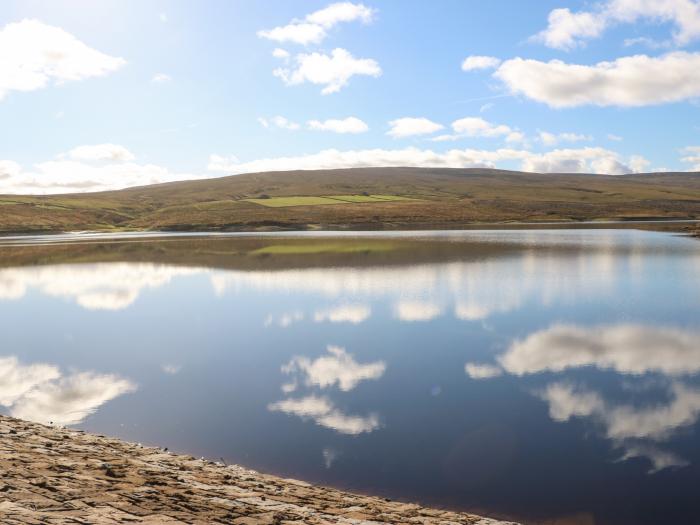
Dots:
pixel 100 95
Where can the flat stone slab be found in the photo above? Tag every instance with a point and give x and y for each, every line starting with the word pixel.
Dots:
pixel 57 476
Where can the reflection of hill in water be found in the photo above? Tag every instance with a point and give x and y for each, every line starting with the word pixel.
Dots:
pixel 258 253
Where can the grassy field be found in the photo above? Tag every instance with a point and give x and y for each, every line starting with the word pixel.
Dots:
pixel 285 202
pixel 363 198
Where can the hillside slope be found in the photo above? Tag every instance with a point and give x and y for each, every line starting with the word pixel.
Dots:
pixel 438 198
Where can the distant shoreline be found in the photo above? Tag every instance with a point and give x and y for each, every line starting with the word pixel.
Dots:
pixel 657 224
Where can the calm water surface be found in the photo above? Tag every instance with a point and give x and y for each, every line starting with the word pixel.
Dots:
pixel 544 375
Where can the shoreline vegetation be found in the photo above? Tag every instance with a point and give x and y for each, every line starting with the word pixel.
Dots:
pixel 62 476
pixel 362 199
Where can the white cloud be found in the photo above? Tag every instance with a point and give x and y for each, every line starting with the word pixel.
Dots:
pixel 279 122
pixel 98 167
pixel 412 126
pixel 481 371
pixel 221 163
pixel 324 413
pixel 692 155
pixel 300 33
pixel 470 127
pixel 100 152
pixel 413 310
pixel 347 125
pixel 552 139
pixel 338 368
pixel 160 78
pixel 341 12
pixel 9 169
pixel 583 160
pixel 474 62
pixel 567 29
pixel 313 28
pixel 333 71
pixel 349 313
pixel 68 176
pixel 280 53
pixel 631 81
pixel 614 138
pixel 33 55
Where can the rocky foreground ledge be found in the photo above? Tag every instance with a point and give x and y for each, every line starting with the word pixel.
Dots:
pixel 55 476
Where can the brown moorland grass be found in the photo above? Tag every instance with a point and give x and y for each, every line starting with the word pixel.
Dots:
pixel 439 198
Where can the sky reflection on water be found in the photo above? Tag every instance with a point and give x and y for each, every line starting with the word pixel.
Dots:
pixel 540 375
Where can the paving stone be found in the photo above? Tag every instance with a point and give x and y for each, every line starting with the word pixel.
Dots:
pixel 57 476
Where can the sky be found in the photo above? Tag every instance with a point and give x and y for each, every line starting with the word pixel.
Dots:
pixel 108 94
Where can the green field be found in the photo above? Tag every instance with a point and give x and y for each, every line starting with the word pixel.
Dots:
pixel 285 202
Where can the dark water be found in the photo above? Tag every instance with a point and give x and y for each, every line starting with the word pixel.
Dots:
pixel 544 376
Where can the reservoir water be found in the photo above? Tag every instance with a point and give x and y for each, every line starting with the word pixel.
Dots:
pixel 544 376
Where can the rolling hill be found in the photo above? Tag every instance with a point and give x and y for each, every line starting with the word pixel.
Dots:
pixel 360 198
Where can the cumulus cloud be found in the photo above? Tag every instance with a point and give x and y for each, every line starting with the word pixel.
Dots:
pixel 97 167
pixel 347 125
pixel 691 155
pixel 9 169
pixel 567 29
pixel 478 127
pixel 314 27
pixel 475 62
pixel 348 313
pixel 324 413
pixel 279 122
pixel 552 139
pixel 100 152
pixel 631 81
pixel 332 71
pixel 337 368
pixel 41 393
pixel 280 53
pixel 583 160
pixel 161 78
pixel 34 55
pixel 412 126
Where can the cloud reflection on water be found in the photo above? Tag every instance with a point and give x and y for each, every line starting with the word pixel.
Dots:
pixel 338 368
pixel 632 351
pixel 42 393
pixel 104 286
